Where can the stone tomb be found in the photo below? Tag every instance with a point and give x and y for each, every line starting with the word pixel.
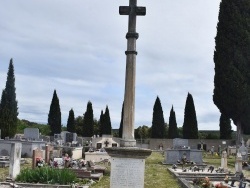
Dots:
pixel 179 151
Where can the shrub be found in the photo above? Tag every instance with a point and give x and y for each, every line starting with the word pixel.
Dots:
pixel 47 175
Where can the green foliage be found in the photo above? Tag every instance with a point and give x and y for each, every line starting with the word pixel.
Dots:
pixel 79 125
pixel 107 128
pixel 22 124
pixel 96 127
pixel 88 121
pixel 101 123
pixel 172 130
pixel 8 106
pixel 158 125
pixel 47 175
pixel 142 132
pixel 225 127
pixel 231 58
pixel 121 123
pixel 54 117
pixel 71 122
pixel 190 126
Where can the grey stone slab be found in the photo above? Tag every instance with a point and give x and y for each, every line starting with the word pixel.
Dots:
pixel 31 133
pixel 179 142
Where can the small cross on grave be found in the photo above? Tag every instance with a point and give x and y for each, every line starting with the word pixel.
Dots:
pixel 106 143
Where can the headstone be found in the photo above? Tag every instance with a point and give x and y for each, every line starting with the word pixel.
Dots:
pixel 31 133
pixel 69 137
pixel 224 161
pixel 15 159
pixel 243 150
pixel 180 143
pixel 238 164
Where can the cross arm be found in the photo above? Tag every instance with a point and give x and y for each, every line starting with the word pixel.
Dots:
pixel 125 10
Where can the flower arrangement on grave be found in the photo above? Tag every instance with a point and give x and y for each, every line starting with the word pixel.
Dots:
pixel 220 185
pixel 202 182
pixel 226 179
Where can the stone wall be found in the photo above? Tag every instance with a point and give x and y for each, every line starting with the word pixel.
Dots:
pixel 155 144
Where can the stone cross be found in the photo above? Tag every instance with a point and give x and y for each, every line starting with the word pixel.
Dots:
pixel 129 97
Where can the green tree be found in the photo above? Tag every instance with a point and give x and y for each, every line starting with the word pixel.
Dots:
pixel 225 127
pixel 107 128
pixel 121 123
pixel 232 58
pixel 88 121
pixel 172 130
pixel 8 108
pixel 101 123
pixel 190 126
pixel 79 125
pixel 54 117
pixel 158 125
pixel 142 132
pixel 71 122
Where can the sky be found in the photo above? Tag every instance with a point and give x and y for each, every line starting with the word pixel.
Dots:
pixel 77 48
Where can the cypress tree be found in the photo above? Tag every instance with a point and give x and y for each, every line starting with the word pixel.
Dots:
pixel 101 123
pixel 54 117
pixel 9 109
pixel 158 124
pixel 121 123
pixel 107 129
pixel 225 127
pixel 232 58
pixel 88 121
pixel 190 126
pixel 71 127
pixel 172 130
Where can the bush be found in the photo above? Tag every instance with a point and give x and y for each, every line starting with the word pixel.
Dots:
pixel 47 175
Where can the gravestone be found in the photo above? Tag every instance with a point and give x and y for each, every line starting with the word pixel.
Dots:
pixel 180 143
pixel 69 137
pixel 31 133
pixel 238 163
pixel 243 150
pixel 37 153
pixel 15 160
pixel 224 161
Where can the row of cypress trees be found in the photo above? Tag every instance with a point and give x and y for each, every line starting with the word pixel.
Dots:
pixel 86 126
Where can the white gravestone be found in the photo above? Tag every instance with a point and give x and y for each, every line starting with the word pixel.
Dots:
pixel 15 159
pixel 224 160
pixel 127 173
pixel 238 164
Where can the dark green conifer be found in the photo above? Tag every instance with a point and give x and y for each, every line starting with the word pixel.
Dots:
pixel 172 130
pixel 71 122
pixel 101 123
pixel 158 124
pixel 121 123
pixel 9 109
pixel 190 126
pixel 225 127
pixel 88 121
pixel 232 60
pixel 54 117
pixel 107 129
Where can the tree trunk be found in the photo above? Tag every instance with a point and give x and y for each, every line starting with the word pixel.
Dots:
pixel 239 133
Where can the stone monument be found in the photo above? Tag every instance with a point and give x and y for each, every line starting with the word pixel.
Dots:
pixel 243 150
pixel 15 160
pixel 238 164
pixel 224 161
pixel 128 161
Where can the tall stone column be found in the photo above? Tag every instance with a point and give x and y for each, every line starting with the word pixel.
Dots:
pixel 128 161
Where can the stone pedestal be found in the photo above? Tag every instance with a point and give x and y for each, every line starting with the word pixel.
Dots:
pixel 127 166
pixel 238 164
pixel 224 161
pixel 15 159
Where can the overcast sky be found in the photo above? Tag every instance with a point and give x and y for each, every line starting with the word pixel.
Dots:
pixel 77 48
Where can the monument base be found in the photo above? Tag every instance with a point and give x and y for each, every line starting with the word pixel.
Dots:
pixel 127 143
pixel 127 166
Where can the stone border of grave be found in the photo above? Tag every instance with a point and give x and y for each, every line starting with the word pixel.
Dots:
pixel 40 185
